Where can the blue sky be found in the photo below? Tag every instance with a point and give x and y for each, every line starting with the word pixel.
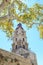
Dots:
pixel 33 38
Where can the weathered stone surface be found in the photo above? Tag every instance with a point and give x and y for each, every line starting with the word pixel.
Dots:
pixel 8 58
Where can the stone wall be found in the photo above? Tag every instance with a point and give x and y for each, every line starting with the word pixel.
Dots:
pixel 9 58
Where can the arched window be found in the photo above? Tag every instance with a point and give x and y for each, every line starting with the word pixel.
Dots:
pixel 16 39
pixel 23 39
pixel 16 46
pixel 24 46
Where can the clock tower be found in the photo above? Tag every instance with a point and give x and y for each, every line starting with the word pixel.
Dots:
pixel 19 39
pixel 20 45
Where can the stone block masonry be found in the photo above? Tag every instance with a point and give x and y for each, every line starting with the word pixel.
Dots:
pixel 9 58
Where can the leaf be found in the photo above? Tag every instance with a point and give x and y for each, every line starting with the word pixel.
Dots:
pixel 40 28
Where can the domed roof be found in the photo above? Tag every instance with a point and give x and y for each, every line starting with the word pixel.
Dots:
pixel 19 26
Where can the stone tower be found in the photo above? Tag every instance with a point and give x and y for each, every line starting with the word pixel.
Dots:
pixel 19 39
pixel 20 45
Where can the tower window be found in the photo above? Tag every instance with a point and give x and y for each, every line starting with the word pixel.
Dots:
pixel 23 39
pixel 24 46
pixel 16 46
pixel 16 39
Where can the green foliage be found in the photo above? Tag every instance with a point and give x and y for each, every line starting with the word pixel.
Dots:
pixel 40 28
pixel 16 9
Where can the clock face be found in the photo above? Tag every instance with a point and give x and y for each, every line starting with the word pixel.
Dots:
pixel 1 2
